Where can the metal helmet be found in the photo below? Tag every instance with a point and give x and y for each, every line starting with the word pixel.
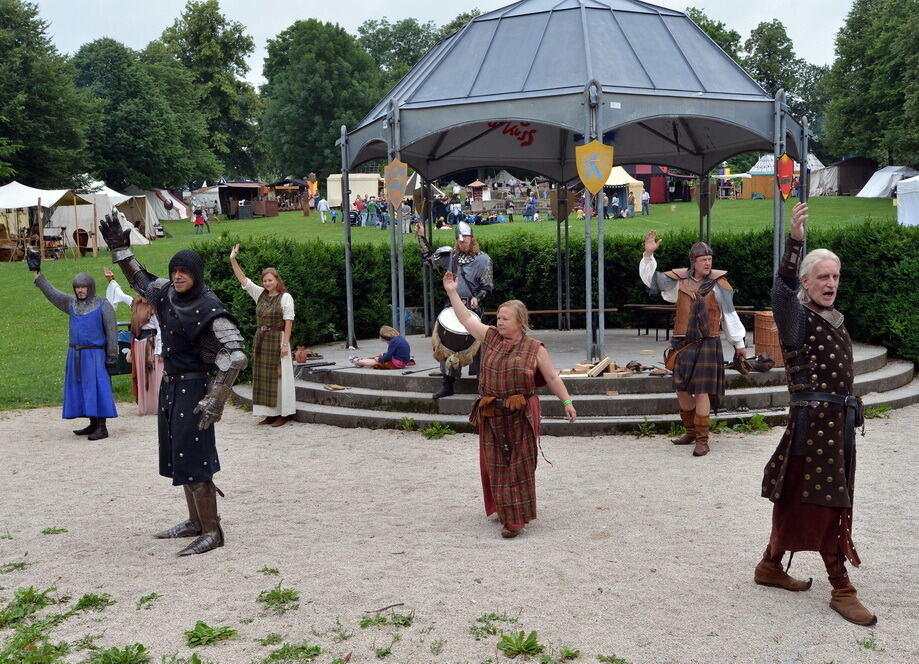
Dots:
pixel 697 250
pixel 463 229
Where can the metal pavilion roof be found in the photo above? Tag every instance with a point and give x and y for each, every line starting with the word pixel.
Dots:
pixel 509 90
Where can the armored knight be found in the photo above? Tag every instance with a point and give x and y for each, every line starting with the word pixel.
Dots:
pixel 198 334
pixel 811 474
pixel 704 305
pixel 475 282
pixel 93 347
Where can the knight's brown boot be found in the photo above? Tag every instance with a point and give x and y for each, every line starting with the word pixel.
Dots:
pixel 701 448
pixel 769 572
pixel 844 601
pixel 205 494
pixel 689 423
pixel 191 527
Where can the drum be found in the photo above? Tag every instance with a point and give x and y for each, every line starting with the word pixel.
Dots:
pixel 452 333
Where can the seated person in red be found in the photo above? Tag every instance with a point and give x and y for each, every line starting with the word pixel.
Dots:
pixel 397 355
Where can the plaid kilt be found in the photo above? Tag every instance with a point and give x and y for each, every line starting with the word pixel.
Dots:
pixel 700 368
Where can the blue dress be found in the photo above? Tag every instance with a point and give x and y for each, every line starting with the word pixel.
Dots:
pixel 87 386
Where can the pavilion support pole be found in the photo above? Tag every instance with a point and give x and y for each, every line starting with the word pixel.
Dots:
pixel 397 224
pixel 567 265
pixel 591 112
pixel 804 181
pixel 425 268
pixel 561 216
pixel 778 205
pixel 432 299
pixel 351 341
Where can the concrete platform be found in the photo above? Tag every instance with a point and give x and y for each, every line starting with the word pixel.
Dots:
pixel 381 399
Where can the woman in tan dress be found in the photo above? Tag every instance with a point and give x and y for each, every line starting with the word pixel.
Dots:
pixel 507 412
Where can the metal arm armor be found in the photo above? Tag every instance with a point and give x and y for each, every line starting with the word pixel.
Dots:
pixel 223 347
pixel 136 274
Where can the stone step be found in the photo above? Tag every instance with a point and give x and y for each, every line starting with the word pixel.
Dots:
pixel 899 397
pixel 891 376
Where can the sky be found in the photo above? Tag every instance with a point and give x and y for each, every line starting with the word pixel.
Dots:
pixel 811 24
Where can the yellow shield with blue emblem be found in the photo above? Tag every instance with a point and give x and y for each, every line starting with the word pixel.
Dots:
pixel 595 163
pixel 396 176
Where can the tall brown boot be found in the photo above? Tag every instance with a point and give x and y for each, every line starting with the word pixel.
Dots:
pixel 701 448
pixel 769 572
pixel 191 527
pixel 689 423
pixel 205 494
pixel 843 599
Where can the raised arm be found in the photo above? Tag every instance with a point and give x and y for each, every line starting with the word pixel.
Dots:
pixel 555 382
pixel 238 271
pixel 786 307
pixel 657 282
pixel 476 328
pixel 118 241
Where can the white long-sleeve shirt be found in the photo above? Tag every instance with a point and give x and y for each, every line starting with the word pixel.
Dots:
pixel 669 289
pixel 116 296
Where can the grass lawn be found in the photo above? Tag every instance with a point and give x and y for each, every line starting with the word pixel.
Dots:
pixel 33 334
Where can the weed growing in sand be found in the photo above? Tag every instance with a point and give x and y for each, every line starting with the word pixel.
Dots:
pixel 644 429
pixel 146 602
pixel 717 426
pixel 341 634
pixel 6 568
pixel 269 571
pixel 54 531
pixel 280 600
pixel 29 644
pixel 484 624
pixel 175 659
pixel 132 654
pixel 520 643
pixel 611 659
pixel 247 621
pixel 437 430
pixel 876 412
pixel 87 642
pixel 377 620
pixel 408 423
pixel 6 535
pixel 291 653
pixel 93 602
pixel 386 651
pixel 568 653
pixel 202 634
pixel 25 602
pixel 676 430
pixel 402 620
pixel 437 647
pixel 271 639
pixel 755 423
pixel 870 642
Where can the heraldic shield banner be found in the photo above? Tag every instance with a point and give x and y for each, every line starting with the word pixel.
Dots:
pixel 396 176
pixel 784 175
pixel 595 163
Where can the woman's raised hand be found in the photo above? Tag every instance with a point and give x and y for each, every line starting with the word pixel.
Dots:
pixel 234 252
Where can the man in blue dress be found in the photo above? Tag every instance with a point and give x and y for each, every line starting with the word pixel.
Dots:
pixel 93 345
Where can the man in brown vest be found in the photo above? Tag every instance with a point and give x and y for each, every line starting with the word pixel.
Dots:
pixel 811 474
pixel 704 305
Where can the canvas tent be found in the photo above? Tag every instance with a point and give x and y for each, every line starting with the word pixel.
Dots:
pixel 208 197
pixel 16 196
pixel 619 178
pixel 843 178
pixel 361 184
pixel 133 209
pixel 762 175
pixel 908 201
pixel 165 205
pixel 882 183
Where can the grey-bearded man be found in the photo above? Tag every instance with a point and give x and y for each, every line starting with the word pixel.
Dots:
pixel 198 334
pixel 475 282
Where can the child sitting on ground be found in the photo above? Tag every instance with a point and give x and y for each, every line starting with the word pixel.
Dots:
pixel 397 356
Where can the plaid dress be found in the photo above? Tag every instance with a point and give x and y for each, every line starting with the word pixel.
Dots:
pixel 508 438
pixel 266 350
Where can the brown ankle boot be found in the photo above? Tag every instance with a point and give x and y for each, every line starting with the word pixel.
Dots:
pixel 844 601
pixel 689 423
pixel 701 448
pixel 770 573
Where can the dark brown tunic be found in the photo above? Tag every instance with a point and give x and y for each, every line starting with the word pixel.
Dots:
pixel 508 448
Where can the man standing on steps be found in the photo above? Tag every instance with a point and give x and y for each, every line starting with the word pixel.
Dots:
pixel 704 304
pixel 93 346
pixel 811 474
pixel 475 282
pixel 198 335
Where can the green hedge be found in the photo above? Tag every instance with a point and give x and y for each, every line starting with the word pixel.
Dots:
pixel 878 289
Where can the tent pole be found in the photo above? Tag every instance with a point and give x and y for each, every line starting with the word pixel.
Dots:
pixel 351 341
pixel 41 229
pixel 560 205
pixel 778 205
pixel 96 230
pixel 804 181
pixel 567 264
pixel 425 272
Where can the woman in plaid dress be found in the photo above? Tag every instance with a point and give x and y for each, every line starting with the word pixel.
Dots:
pixel 273 396
pixel 506 413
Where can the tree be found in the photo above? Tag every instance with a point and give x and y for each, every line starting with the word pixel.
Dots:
pixel 728 40
pixel 873 83
pixel 43 113
pixel 214 50
pixel 770 57
pixel 458 23
pixel 396 47
pixel 318 78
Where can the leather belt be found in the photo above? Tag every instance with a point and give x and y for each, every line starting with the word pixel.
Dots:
pixel 855 416
pixel 77 358
pixel 189 375
pixel 267 328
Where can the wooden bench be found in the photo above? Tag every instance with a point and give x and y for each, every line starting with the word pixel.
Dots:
pixel 654 311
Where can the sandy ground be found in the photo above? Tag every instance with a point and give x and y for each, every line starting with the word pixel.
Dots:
pixel 640 550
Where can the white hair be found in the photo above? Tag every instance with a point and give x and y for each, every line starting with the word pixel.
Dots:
pixel 809 263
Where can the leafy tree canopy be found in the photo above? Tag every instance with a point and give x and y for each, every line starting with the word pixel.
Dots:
pixel 396 47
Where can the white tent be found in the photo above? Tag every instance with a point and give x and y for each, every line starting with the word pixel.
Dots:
pixel 414 183
pixel 765 165
pixel 14 196
pixel 882 183
pixel 908 201
pixel 164 204
pixel 361 184
pixel 824 182
pixel 70 218
pixel 208 197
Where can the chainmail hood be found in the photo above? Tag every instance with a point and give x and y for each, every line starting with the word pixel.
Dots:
pixel 191 262
pixel 84 279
